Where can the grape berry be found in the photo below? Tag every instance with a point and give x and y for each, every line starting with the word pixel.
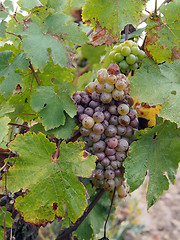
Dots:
pixel 107 120
pixel 126 55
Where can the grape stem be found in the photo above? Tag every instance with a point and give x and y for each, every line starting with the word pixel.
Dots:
pixel 34 73
pixel 81 73
pixel 72 228
pixel 126 31
pixel 112 200
pixel 155 10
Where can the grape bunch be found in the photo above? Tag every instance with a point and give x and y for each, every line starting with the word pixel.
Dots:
pixel 107 121
pixel 126 55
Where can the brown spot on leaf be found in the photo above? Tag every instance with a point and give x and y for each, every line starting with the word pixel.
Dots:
pixel 151 37
pixel 175 54
pixel 101 36
pixel 55 206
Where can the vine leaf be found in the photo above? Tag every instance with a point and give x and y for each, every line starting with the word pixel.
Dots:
pixel 29 4
pixel 65 131
pixel 55 75
pixel 113 15
pixel 2 29
pixel 49 182
pixel 163 35
pixel 157 151
pixel 164 82
pixel 51 106
pixel 9 221
pixel 63 26
pixel 36 42
pixel 4 127
pixel 7 71
pixel 9 7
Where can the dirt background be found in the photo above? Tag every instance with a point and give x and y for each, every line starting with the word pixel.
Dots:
pixel 162 221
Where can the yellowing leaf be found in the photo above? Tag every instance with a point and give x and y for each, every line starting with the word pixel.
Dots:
pixel 51 183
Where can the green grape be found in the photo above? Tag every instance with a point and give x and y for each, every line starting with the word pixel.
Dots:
pixel 135 50
pixel 99 88
pixel 124 120
pixel 141 54
pixel 123 109
pixel 88 122
pixel 134 44
pixel 121 84
pixel 91 87
pixel 123 65
pixel 134 66
pixel 111 55
pixel 106 97
pixel 117 48
pixel 108 88
pixel 102 75
pixel 131 59
pixel 118 95
pixel 127 43
pixel 118 57
pixel 125 51
pixel 111 79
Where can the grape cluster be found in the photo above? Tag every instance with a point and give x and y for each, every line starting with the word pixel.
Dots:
pixel 107 120
pixel 126 55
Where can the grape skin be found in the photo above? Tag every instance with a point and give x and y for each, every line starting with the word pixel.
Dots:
pixel 88 122
pixel 98 117
pixel 111 123
pixel 98 128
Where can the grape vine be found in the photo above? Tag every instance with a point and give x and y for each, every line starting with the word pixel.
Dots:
pixel 88 108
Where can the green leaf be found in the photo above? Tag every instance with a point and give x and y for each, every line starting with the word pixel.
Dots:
pixel 11 79
pixel 9 7
pixel 9 221
pixel 57 5
pixel 4 127
pixel 93 54
pixel 36 42
pixel 52 106
pixel 23 109
pixel 5 107
pixel 15 27
pixel 65 131
pixel 161 80
pixel 163 35
pixel 39 14
pixel 63 26
pixel 55 75
pixel 51 182
pixel 28 5
pixel 84 79
pixel 157 151
pixel 76 3
pixel 113 15
pixel 2 29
